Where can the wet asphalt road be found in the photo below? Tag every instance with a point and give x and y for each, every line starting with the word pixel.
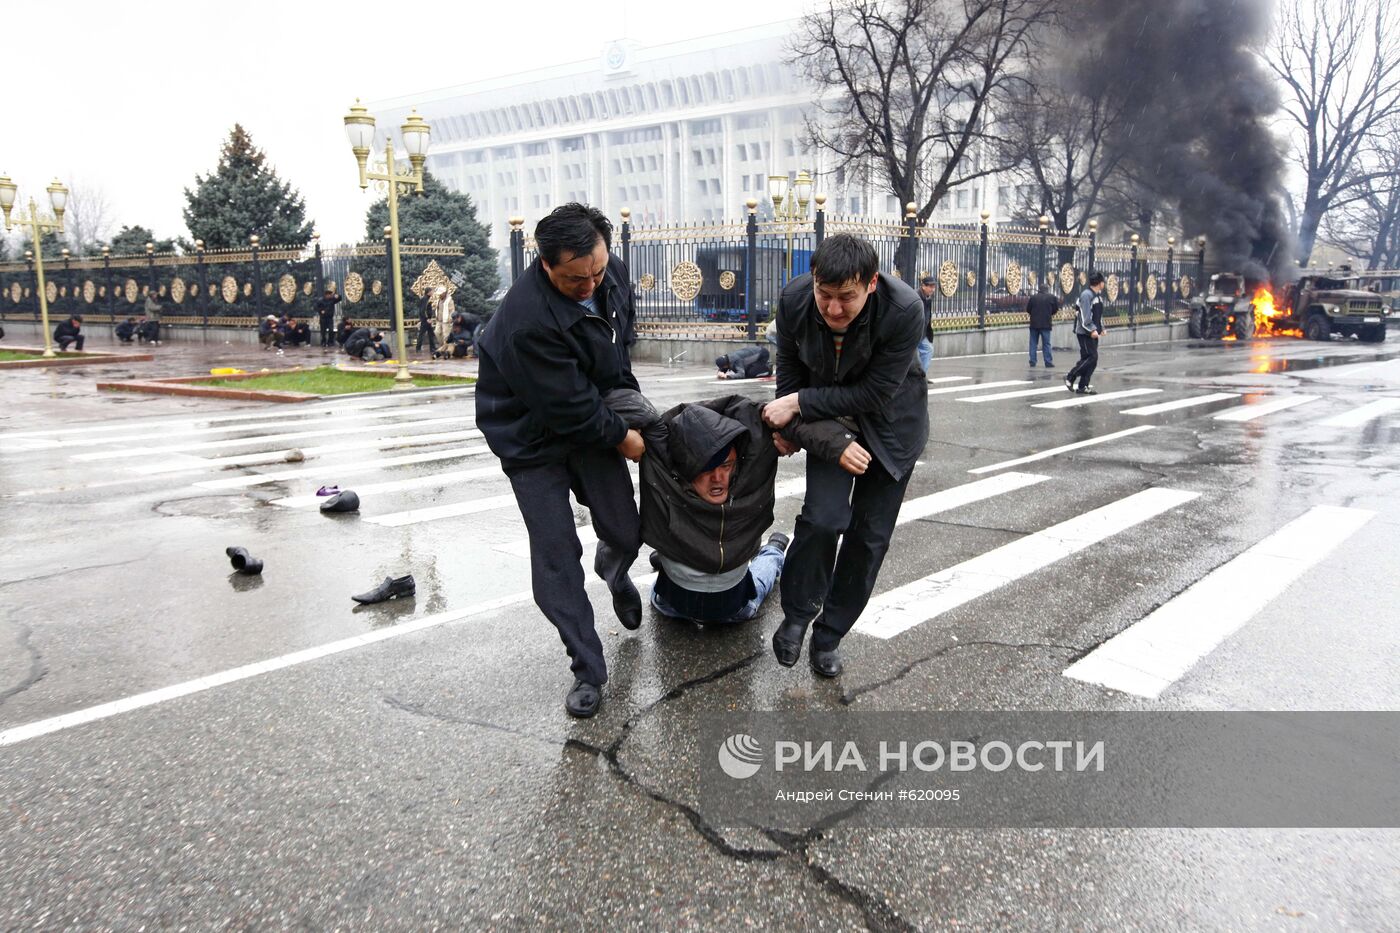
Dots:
pixel 432 779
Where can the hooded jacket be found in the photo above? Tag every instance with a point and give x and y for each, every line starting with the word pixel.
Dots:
pixel 675 520
pixel 878 380
pixel 546 362
pixel 749 362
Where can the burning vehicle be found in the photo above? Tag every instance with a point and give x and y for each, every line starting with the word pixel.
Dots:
pixel 1224 312
pixel 1315 307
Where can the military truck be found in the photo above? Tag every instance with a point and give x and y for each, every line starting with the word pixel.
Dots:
pixel 1322 305
pixel 1224 310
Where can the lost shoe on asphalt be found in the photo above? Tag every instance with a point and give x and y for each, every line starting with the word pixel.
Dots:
pixel 343 501
pixel 390 588
pixel 244 562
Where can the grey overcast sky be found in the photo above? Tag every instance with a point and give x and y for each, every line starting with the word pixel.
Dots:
pixel 136 98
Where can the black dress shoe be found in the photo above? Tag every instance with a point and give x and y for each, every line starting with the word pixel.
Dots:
pixel 583 700
pixel 627 603
pixel 826 663
pixel 343 501
pixel 391 587
pixel 780 541
pixel 787 642
pixel 242 561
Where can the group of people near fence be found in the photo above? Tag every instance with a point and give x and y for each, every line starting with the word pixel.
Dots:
pixel 558 403
pixel 276 331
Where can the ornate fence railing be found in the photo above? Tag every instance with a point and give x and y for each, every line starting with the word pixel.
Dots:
pixel 726 277
pixel 227 287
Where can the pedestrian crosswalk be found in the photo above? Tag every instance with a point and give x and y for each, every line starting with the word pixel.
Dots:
pixel 459 486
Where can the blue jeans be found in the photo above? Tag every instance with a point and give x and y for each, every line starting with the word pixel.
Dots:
pixel 1043 335
pixel 925 353
pixel 765 567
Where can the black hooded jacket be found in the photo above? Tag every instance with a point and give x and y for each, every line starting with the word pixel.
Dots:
pixel 675 520
pixel 546 362
pixel 878 381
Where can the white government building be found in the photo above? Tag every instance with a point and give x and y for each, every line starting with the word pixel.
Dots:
pixel 680 133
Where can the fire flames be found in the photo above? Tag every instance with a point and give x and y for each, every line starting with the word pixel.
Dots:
pixel 1266 314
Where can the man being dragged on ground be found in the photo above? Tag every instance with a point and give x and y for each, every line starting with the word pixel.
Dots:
pixel 744 363
pixel 707 482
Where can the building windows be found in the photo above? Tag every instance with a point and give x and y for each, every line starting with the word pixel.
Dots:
pixel 960 200
pixel 574 144
pixel 536 149
pixel 740 152
pixel 705 127
pixel 697 157
pixel 755 151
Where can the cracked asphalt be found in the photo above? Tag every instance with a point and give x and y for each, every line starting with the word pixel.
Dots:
pixel 431 780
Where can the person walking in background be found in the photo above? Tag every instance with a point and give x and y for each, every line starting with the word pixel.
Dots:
pixel 153 309
pixel 426 325
pixel 444 308
pixel 561 341
pixel 1041 308
pixel 1088 328
pixel 925 349
pixel 325 314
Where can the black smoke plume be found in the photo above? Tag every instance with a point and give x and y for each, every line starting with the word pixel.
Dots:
pixel 1198 103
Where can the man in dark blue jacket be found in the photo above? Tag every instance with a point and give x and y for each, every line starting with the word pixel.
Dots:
pixel 559 343
pixel 847 341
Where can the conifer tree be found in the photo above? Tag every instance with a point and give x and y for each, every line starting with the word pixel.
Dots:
pixel 244 196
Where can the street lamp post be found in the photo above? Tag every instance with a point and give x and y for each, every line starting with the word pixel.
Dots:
pixel 359 127
pixel 58 199
pixel 790 206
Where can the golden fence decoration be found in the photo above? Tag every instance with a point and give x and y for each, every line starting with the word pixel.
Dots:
pixel 992 278
pixel 1110 286
pixel 1013 277
pixel 287 288
pixel 431 279
pixel 1151 286
pixel 89 291
pixel 1185 286
pixel 177 290
pixel 647 282
pixel 1032 280
pixel 727 280
pixel 971 279
pixel 686 280
pixel 51 292
pixel 354 287
pixel 307 287
pixel 1067 278
pixel 247 289
pixel 228 289
pixel 131 291
pixel 376 287
pixel 948 278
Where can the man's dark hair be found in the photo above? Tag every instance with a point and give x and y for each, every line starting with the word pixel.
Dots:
pixel 843 257
pixel 571 228
pixel 1096 279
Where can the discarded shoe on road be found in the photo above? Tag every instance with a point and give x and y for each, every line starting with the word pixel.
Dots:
pixel 328 491
pixel 391 587
pixel 243 562
pixel 343 501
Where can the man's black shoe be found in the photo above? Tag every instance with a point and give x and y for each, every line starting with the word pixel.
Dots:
pixel 1089 391
pixel 390 588
pixel 343 501
pixel 243 562
pixel 1069 382
pixel 583 700
pixel 780 540
pixel 825 663
pixel 627 603
pixel 787 642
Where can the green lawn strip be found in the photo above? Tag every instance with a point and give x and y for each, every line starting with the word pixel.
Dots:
pixel 6 355
pixel 326 381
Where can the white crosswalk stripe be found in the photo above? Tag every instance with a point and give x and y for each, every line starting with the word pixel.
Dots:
pixel 183 462
pixel 937 379
pixel 965 494
pixel 1078 400
pixel 449 478
pixel 1151 655
pixel 947 390
pixel 1192 402
pixel 904 607
pixel 341 430
pixel 1359 416
pixel 400 413
pixel 274 413
pixel 318 473
pixel 453 510
pixel 1022 393
pixel 1249 412
pixel 1054 451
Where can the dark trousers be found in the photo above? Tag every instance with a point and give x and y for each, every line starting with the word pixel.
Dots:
pixel 1083 371
pixel 327 332
pixel 77 342
pixel 861 512
pixel 599 480
pixel 426 330
pixel 1041 335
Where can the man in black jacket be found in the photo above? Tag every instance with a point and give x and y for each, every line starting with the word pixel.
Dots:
pixel 558 343
pixel 744 363
pixel 847 339
pixel 707 498
pixel 69 331
pixel 1041 308
pixel 325 313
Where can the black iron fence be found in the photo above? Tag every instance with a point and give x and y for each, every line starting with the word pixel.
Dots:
pixel 228 287
pixel 726 277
